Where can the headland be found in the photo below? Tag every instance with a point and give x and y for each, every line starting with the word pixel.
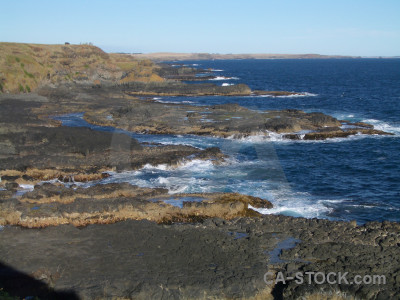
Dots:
pixel 125 241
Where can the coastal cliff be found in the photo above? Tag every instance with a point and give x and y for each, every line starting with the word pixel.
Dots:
pixel 24 67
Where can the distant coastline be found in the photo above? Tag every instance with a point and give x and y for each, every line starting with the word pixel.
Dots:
pixel 170 56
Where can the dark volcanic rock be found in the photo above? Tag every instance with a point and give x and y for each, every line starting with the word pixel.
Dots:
pixel 34 147
pixel 220 258
pixel 139 260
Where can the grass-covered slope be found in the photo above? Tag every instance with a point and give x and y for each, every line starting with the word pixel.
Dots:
pixel 23 67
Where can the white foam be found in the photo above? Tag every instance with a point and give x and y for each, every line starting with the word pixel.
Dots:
pixel 28 187
pixel 171 102
pixel 380 125
pixel 194 165
pixel 219 78
pixel 224 78
pixel 297 95
pixel 269 136
pixel 216 70
pixel 179 184
pixel 202 176
pixel 261 137
pixel 275 137
pixel 197 165
pixel 24 189
pixel 298 205
pixel 302 211
pixel 163 181
pixel 333 200
pixel 162 167
pixel 227 84
pixel 1 227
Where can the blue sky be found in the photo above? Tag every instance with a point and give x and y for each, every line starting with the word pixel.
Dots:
pixel 344 27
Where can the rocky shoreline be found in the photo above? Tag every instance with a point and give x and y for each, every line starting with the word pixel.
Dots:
pixel 213 259
pixel 120 241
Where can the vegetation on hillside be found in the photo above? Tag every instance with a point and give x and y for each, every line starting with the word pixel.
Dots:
pixel 23 67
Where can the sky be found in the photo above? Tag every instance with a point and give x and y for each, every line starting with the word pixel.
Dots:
pixel 340 27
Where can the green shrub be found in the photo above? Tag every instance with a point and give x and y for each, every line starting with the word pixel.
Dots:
pixel 30 75
pixel 27 88
pixel 22 65
pixel 21 88
pixel 17 59
pixel 1 87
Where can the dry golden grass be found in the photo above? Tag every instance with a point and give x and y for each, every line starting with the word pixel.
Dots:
pixel 23 67
pixel 214 205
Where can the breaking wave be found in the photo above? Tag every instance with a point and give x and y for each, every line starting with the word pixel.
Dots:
pixel 224 78
pixel 299 95
pixel 380 125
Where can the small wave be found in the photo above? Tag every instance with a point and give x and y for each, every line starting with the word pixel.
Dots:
pixel 216 70
pixel 262 137
pixel 227 84
pixel 380 125
pixel 298 204
pixel 27 186
pixel 362 205
pixel 224 78
pixel 162 167
pixel 343 116
pixel 332 201
pixel 270 136
pixel 306 211
pixel 1 227
pixel 171 102
pixel 196 165
pixel 299 95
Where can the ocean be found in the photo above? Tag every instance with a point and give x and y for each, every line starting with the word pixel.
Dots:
pixel 356 178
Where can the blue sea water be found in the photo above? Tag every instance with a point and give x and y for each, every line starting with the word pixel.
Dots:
pixel 341 179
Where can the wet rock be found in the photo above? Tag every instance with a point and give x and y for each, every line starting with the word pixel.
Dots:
pixel 11 186
pixel 230 107
pixel 322 120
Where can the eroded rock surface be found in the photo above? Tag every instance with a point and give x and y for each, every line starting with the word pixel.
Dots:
pixel 215 259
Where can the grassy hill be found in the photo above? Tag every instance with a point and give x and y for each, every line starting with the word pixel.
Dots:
pixel 24 67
